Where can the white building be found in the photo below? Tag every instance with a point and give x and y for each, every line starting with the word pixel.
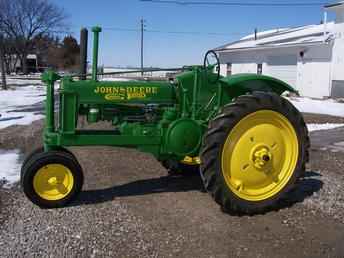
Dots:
pixel 309 58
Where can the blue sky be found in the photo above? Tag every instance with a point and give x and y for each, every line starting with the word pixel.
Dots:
pixel 173 50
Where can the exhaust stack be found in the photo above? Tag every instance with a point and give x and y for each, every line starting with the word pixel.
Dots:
pixel 83 53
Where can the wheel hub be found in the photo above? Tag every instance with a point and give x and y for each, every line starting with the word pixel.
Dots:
pixel 53 182
pixel 261 156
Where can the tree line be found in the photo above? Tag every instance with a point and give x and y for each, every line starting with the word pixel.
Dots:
pixel 33 27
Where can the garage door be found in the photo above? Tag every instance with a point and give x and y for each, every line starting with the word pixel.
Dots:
pixel 283 68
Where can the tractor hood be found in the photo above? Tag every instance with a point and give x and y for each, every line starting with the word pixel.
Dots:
pixel 109 92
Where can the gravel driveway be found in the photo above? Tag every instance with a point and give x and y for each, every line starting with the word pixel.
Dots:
pixel 131 208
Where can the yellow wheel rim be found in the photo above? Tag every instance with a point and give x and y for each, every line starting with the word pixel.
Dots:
pixel 53 182
pixel 260 155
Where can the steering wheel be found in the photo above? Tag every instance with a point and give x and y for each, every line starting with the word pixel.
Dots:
pixel 211 60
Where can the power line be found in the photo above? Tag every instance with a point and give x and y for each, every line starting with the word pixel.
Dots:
pixel 119 29
pixel 238 4
pixel 175 32
pixel 198 33
pixel 210 33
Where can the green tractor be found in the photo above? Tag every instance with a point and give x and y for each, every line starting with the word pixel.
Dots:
pixel 249 144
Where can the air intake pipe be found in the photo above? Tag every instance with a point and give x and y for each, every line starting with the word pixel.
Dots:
pixel 95 31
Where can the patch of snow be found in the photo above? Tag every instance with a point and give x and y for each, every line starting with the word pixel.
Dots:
pixel 20 96
pixel 318 127
pixel 114 69
pixel 15 99
pixel 115 79
pixel 18 118
pixel 28 81
pixel 10 167
pixel 324 107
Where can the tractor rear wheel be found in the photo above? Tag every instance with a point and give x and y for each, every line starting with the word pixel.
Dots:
pixel 51 179
pixel 254 152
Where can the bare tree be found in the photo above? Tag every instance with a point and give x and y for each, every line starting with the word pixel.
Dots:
pixel 23 20
pixel 11 58
pixel 2 64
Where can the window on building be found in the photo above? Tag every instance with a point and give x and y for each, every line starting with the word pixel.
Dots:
pixel 259 68
pixel 229 69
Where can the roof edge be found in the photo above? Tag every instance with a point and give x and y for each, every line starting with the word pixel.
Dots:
pixel 277 33
pixel 270 47
pixel 334 5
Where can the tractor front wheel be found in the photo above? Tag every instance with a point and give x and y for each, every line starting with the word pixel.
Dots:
pixel 51 179
pixel 253 153
pixel 38 151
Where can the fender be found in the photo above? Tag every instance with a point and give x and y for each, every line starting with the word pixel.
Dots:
pixel 240 84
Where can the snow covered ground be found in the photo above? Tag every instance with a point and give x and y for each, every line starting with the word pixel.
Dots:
pixel 325 107
pixel 10 167
pixel 117 79
pixel 14 101
pixel 318 127
pixel 24 82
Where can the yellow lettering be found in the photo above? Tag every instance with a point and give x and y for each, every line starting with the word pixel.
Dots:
pixel 131 92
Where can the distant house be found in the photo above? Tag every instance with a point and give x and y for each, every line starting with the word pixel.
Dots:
pixel 309 58
pixel 31 62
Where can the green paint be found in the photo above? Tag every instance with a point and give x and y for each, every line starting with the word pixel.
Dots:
pixel 165 119
pixel 183 137
pixel 96 31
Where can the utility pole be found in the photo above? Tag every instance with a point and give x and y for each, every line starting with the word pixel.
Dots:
pixel 2 64
pixel 143 25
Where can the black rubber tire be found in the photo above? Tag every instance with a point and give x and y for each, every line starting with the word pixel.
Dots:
pixel 214 139
pixel 37 151
pixel 178 168
pixel 39 160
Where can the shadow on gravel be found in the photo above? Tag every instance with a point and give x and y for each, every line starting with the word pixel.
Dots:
pixel 305 188
pixel 169 183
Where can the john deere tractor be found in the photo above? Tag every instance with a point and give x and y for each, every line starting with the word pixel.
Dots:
pixel 249 144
